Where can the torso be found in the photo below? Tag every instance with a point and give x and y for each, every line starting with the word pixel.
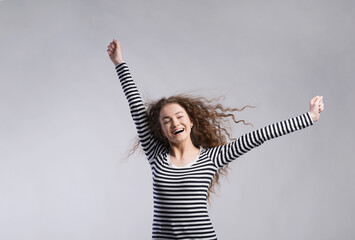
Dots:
pixel 180 198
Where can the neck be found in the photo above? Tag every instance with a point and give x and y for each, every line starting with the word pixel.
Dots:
pixel 179 151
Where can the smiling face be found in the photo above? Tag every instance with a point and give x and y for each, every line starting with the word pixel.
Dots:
pixel 175 123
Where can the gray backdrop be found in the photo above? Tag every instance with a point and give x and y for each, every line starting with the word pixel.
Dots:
pixel 65 125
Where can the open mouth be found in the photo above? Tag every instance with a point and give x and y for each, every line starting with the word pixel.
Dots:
pixel 178 131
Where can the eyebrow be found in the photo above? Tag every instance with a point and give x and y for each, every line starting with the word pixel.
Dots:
pixel 174 114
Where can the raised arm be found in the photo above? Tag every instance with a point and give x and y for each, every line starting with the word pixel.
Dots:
pixel 224 154
pixel 137 108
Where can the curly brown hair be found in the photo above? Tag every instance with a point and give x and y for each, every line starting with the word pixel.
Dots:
pixel 210 121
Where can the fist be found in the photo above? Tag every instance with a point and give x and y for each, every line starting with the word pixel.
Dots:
pixel 316 106
pixel 115 52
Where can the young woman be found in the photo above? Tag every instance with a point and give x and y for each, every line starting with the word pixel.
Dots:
pixel 185 143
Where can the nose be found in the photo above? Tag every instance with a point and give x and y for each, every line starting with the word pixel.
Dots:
pixel 174 122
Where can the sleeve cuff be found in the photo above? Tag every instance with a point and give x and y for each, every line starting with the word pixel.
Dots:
pixel 310 118
pixel 120 64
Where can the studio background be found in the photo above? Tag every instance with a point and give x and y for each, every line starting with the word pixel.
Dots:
pixel 66 129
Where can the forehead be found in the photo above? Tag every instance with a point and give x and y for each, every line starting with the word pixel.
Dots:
pixel 171 109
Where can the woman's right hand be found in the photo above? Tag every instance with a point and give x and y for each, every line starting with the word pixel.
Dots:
pixel 114 51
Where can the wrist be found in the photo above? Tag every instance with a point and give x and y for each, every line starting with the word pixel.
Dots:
pixel 313 116
pixel 118 61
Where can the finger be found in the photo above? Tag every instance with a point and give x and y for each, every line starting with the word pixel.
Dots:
pixel 321 101
pixel 116 41
pixel 315 99
pixel 318 101
pixel 109 53
pixel 321 98
pixel 311 101
pixel 112 45
pixel 321 108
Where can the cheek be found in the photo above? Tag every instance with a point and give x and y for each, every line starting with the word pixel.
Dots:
pixel 189 123
pixel 163 130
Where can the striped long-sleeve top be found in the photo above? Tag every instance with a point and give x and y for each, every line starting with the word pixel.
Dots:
pixel 180 194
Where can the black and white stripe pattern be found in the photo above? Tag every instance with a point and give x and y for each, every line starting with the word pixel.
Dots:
pixel 180 194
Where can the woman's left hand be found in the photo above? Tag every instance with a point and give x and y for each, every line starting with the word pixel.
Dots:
pixel 316 106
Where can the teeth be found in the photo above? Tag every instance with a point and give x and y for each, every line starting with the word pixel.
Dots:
pixel 178 131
